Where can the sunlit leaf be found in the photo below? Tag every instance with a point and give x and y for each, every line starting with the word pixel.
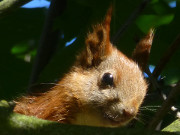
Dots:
pixel 173 127
pixel 19 49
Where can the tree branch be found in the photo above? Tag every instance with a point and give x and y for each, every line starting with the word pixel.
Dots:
pixel 17 124
pixel 133 16
pixel 7 6
pixel 165 107
pixel 166 57
pixel 48 41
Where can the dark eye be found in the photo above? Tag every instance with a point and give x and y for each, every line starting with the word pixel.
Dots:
pixel 107 79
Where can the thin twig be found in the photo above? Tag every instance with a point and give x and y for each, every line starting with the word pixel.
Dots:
pixel 166 57
pixel 165 107
pixel 155 84
pixel 48 41
pixel 133 16
pixel 9 5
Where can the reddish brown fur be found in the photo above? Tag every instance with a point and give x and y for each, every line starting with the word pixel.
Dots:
pixel 53 105
pixel 142 50
pixel 80 97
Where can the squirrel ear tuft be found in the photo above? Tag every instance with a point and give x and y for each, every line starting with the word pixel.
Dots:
pixel 98 45
pixel 142 50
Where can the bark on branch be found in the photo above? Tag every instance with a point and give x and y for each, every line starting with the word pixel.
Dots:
pixel 7 6
pixel 166 57
pixel 130 20
pixel 48 41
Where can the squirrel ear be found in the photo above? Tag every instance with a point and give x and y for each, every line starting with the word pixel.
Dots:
pixel 142 50
pixel 98 45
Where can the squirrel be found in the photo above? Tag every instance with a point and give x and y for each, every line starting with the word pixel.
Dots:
pixel 103 88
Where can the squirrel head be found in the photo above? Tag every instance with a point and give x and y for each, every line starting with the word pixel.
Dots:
pixel 112 85
pixel 103 88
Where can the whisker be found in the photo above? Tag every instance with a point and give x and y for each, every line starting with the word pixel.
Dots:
pixel 141 120
pixel 149 108
pixel 55 84
pixel 152 110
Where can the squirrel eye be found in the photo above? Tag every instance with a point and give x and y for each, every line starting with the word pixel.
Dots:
pixel 107 79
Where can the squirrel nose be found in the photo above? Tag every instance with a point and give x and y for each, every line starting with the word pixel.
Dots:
pixel 129 112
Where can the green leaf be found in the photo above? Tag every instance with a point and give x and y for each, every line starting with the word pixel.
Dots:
pixel 24 51
pixel 145 22
pixel 19 49
pixel 20 27
pixel 173 127
pixel 172 76
pixel 4 103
